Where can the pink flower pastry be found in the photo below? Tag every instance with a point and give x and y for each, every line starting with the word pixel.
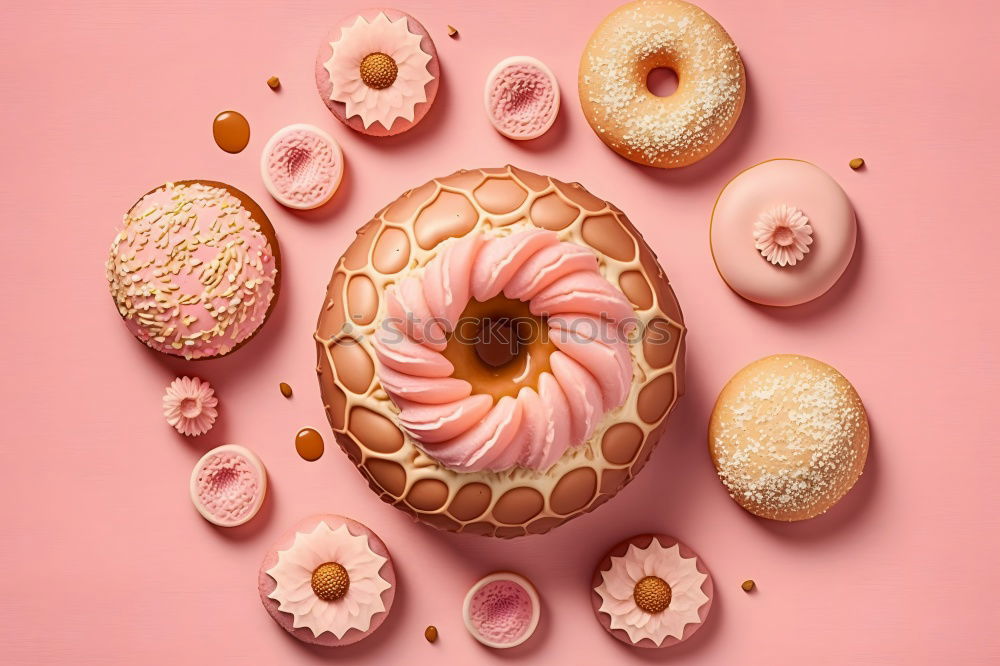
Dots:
pixel 329 581
pixel 228 485
pixel 378 72
pixel 301 166
pixel 189 404
pixel 591 367
pixel 522 98
pixel 502 610
pixel 195 270
pixel 783 235
pixel 651 591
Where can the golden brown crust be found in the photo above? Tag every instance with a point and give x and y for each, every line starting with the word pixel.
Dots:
pixel 664 132
pixel 403 236
pixel 789 437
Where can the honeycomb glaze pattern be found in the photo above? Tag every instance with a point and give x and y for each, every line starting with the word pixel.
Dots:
pixel 402 238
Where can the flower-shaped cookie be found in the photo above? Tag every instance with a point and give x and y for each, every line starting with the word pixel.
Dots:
pixel 378 70
pixel 334 580
pixel 651 591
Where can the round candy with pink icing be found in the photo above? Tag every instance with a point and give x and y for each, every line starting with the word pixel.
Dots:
pixel 651 591
pixel 378 72
pixel 502 610
pixel 521 97
pixel 302 166
pixel 782 232
pixel 228 485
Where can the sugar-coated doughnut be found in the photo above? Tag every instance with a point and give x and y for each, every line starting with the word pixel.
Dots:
pixel 651 591
pixel 328 581
pixel 782 232
pixel 502 610
pixel 301 166
pixel 544 419
pixel 194 272
pixel 521 97
pixel 788 436
pixel 665 132
pixel 378 72
pixel 228 485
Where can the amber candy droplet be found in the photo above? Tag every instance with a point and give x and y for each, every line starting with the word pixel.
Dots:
pixel 231 131
pixel 285 389
pixel 309 444
pixel 748 585
pixel 274 83
pixel 856 163
pixel 431 633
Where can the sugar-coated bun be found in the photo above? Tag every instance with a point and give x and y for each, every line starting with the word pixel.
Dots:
pixel 681 128
pixel 194 272
pixel 788 436
pixel 782 232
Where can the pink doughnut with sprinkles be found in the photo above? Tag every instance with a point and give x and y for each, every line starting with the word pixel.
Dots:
pixel 302 166
pixel 522 98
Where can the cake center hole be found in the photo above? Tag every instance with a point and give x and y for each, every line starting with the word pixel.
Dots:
pixel 499 347
pixel 662 81
pixel 330 581
pixel 498 341
pixel 652 594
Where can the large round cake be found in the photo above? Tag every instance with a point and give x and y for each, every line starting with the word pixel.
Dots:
pixel 498 352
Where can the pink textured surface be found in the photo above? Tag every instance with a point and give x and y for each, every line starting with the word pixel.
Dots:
pixel 95 482
pixel 501 611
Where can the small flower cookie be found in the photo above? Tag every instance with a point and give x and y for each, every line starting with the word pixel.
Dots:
pixel 651 591
pixel 328 581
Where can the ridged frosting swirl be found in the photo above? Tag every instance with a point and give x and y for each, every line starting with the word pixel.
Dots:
pixel 588 322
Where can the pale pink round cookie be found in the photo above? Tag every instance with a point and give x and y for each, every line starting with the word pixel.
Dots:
pixel 521 97
pixel 228 485
pixel 301 166
pixel 502 610
pixel 655 556
pixel 266 584
pixel 410 87
pixel 782 211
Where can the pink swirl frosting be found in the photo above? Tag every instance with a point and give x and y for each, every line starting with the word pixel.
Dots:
pixel 591 373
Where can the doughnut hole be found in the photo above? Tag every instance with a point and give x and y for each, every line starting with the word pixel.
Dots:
pixel 662 81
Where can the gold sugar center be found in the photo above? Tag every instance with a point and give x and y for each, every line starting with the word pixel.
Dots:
pixel 330 581
pixel 652 594
pixel 378 70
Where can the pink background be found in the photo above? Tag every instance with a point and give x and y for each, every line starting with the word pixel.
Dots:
pixel 105 560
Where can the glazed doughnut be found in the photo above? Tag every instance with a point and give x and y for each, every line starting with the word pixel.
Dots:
pixel 511 438
pixel 665 132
